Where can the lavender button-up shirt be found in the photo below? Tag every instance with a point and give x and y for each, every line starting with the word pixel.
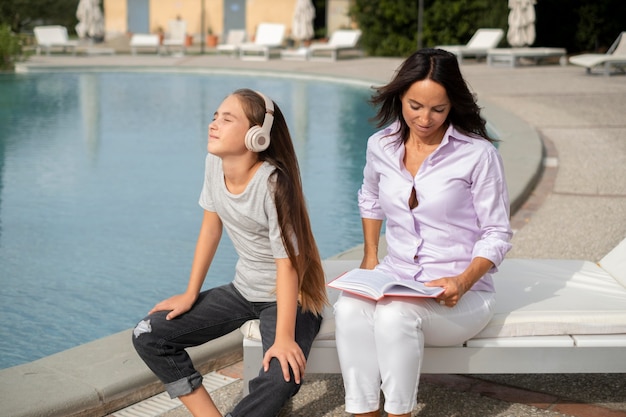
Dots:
pixel 463 209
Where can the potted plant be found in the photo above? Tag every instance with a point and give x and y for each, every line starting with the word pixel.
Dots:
pixel 211 39
pixel 161 33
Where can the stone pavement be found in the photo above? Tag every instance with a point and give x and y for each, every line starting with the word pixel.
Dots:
pixel 576 211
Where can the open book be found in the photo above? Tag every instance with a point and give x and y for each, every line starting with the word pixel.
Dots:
pixel 374 284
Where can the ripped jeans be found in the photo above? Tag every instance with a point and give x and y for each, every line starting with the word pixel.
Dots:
pixel 218 311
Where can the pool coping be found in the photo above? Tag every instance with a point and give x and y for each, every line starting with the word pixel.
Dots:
pixel 100 377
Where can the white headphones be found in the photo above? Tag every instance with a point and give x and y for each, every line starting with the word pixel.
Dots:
pixel 258 137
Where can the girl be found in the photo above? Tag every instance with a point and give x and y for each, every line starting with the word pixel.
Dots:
pixel 252 188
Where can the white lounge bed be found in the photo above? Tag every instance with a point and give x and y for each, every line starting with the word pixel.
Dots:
pixel 269 37
pixel 482 41
pixel 231 45
pixel 552 316
pixel 55 36
pixel 340 40
pixel 176 36
pixel 615 58
pixel 141 41
pixel 511 57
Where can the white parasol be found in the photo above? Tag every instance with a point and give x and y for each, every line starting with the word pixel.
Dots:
pixel 302 25
pixel 521 23
pixel 90 19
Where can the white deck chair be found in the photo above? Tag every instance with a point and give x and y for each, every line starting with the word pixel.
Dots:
pixel 340 40
pixel 55 36
pixel 614 57
pixel 552 316
pixel 177 32
pixel 269 37
pixel 482 41
pixel 141 41
pixel 233 41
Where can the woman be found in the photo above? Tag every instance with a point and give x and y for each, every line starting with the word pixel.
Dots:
pixel 252 188
pixel 437 179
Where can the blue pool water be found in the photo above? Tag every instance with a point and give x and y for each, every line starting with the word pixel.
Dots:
pixel 100 174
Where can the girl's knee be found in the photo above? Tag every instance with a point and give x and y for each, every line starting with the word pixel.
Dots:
pixel 147 329
pixel 274 380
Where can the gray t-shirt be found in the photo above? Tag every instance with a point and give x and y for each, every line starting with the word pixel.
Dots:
pixel 251 222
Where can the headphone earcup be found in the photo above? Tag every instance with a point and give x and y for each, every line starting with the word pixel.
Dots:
pixel 256 139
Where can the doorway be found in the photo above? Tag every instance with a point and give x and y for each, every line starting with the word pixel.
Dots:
pixel 138 16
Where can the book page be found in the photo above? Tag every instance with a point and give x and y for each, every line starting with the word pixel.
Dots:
pixel 406 288
pixel 363 281
pixel 374 284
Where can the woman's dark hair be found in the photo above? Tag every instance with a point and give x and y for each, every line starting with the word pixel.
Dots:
pixel 443 68
pixel 291 207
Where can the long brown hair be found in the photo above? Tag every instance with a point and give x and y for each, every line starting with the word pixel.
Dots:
pixel 443 68
pixel 291 207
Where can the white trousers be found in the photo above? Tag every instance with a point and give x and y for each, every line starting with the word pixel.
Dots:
pixel 381 344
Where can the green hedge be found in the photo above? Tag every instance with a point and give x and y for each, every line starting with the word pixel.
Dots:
pixel 10 48
pixel 390 26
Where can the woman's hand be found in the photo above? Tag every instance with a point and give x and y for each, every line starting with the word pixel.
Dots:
pixel 369 262
pixel 454 287
pixel 453 290
pixel 289 355
pixel 177 304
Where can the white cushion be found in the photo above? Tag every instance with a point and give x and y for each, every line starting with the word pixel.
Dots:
pixel 538 297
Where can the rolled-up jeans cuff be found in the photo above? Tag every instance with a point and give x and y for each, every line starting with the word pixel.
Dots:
pixel 184 386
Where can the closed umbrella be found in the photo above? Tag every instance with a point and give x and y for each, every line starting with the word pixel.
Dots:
pixel 90 20
pixel 521 23
pixel 302 25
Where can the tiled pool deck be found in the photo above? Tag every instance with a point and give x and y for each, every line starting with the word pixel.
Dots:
pixel 576 210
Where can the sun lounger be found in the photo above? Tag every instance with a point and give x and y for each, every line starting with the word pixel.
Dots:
pixel 552 316
pixel 511 57
pixel 144 41
pixel 340 40
pixel 615 57
pixel 269 38
pixel 49 37
pixel 482 41
pixel 231 45
pixel 176 34
pixel 297 54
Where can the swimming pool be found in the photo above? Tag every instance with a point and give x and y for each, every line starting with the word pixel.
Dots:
pixel 100 173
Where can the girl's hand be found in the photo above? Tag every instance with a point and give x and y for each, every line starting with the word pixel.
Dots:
pixel 289 355
pixel 177 304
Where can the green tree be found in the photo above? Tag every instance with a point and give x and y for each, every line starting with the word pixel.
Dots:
pixel 10 48
pixel 389 26
pixel 23 15
pixel 454 22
